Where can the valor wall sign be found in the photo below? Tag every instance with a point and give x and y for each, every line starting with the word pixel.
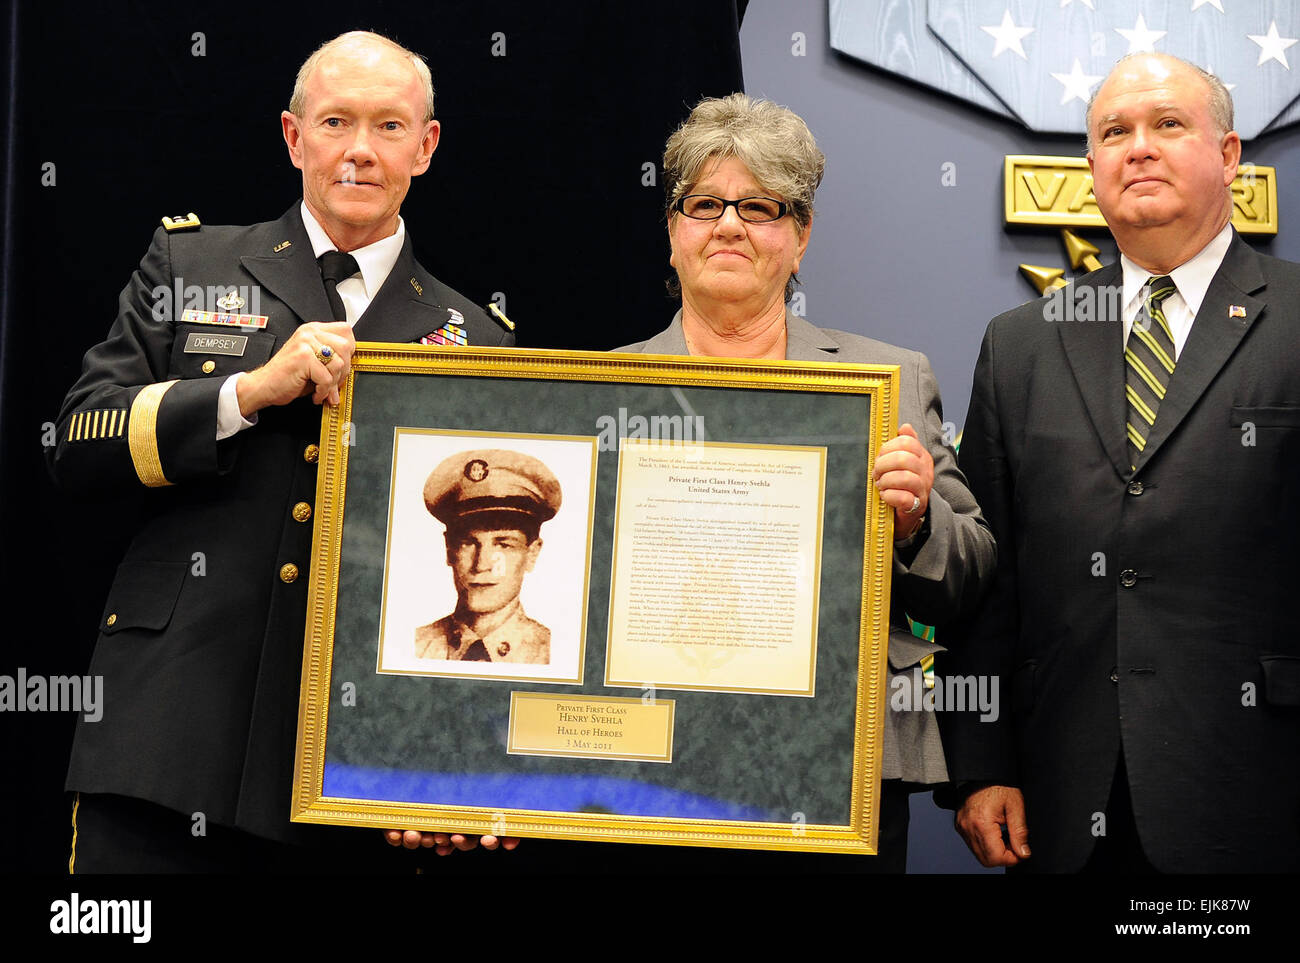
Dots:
pixel 1057 192
pixel 597 596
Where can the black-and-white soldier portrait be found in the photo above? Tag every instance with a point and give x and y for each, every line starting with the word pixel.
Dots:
pixel 493 502
pixel 486 563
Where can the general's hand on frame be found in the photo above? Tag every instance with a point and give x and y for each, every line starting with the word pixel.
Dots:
pixel 315 361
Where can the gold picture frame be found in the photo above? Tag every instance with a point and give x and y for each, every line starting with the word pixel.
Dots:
pixel 541 750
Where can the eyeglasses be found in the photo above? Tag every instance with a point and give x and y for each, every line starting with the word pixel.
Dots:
pixel 755 210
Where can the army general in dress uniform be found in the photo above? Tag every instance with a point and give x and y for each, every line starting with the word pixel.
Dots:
pixel 493 503
pixel 208 414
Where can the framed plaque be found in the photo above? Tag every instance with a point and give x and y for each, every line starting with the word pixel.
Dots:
pixel 631 598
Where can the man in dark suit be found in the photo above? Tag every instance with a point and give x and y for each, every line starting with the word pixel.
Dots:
pixel 204 401
pixel 1134 441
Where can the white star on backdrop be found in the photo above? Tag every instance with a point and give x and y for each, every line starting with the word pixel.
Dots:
pixel 1008 35
pixel 1141 39
pixel 1271 46
pixel 1077 83
pixel 1216 4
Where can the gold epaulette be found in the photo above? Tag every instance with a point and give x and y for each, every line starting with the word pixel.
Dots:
pixel 190 222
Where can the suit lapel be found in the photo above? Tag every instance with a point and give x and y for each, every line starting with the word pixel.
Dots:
pixel 291 274
pixel 1092 336
pixel 1213 339
pixel 807 342
pixel 404 308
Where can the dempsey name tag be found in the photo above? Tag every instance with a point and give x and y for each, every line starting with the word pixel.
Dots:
pixel 235 320
pixel 231 344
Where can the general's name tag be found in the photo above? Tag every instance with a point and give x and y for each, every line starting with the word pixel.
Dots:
pixel 214 317
pixel 231 344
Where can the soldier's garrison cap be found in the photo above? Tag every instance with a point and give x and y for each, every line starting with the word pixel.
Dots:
pixel 491 481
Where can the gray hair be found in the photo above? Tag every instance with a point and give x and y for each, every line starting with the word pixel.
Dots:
pixel 772 141
pixel 312 62
pixel 1219 100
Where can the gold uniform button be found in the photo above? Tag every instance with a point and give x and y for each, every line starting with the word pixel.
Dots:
pixel 111 619
pixel 209 367
pixel 301 512
pixel 310 454
pixel 288 572
pixel 503 649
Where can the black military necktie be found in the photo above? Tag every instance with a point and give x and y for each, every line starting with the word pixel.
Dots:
pixel 336 267
pixel 1149 362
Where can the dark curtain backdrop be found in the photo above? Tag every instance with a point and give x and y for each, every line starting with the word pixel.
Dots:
pixel 536 191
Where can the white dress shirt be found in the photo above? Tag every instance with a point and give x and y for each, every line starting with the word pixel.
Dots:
pixel 1192 278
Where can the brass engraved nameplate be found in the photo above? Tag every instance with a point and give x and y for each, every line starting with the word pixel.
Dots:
pixel 586 727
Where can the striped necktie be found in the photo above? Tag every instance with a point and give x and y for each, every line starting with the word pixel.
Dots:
pixel 1149 363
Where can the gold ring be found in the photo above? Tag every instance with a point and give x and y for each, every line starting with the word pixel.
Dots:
pixel 324 354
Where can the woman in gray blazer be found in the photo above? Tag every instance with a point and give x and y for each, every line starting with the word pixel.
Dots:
pixel 740 176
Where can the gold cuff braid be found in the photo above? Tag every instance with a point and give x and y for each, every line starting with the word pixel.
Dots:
pixel 142 434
